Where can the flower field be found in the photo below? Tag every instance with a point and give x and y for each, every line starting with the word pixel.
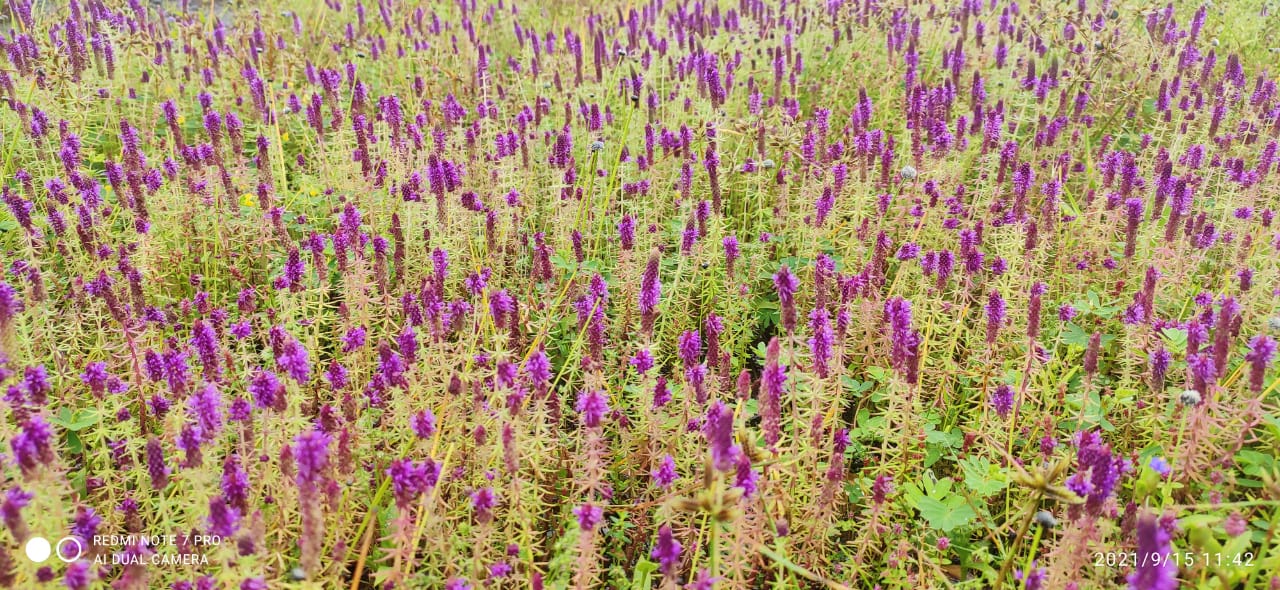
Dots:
pixel 499 294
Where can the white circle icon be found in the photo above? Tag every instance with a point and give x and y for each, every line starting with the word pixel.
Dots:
pixel 38 549
pixel 67 556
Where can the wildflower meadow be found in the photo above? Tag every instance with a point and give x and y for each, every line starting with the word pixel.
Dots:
pixel 644 294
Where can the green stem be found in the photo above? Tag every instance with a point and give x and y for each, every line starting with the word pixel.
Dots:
pixel 1166 494
pixel 1266 548
pixel 1013 547
pixel 713 560
pixel 1035 544
pixel 713 543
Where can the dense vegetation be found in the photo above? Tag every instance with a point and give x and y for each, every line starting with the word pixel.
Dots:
pixel 486 294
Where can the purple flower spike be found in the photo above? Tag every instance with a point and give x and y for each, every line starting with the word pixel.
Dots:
pixel 666 552
pixel 820 345
pixel 423 424
pixel 627 232
pixel 995 309
pixel 483 502
pixel 1002 400
pixel 772 387
pixel 1261 350
pixel 666 473
pixel 731 253
pixel 719 432
pixel 642 361
pixel 32 447
pixel 690 347
pixel 650 294
pixel 904 339
pixel 589 516
pixel 311 455
pixel 786 284
pixel 593 406
pixel 155 465
pixel 1155 569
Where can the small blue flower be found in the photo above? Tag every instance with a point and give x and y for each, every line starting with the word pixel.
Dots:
pixel 1161 466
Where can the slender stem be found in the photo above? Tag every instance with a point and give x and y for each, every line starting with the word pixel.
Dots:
pixel 794 568
pixel 1266 547
pixel 424 512
pixel 1166 494
pixel 1013 547
pixel 364 553
pixel 706 518
pixel 713 560
pixel 713 544
pixel 1031 555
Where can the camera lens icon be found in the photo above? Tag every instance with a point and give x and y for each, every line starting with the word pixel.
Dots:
pixel 37 549
pixel 69 549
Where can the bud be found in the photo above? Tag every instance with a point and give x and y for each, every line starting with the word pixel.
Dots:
pixel 1045 519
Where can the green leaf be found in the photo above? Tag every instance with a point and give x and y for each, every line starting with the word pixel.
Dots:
pixel 1077 337
pixel 74 446
pixel 63 418
pixel 83 419
pixel 768 312
pixel 643 573
pixel 563 263
pixel 1235 547
pixel 879 374
pixel 873 425
pixel 945 516
pixel 1074 336
pixel 387 515
pixel 75 421
pixel 1192 521
pixel 854 492
pixel 78 482
pixel 1176 339
pixel 1255 463
pixel 950 438
pixel 853 385
pixel 983 477
pixel 932 453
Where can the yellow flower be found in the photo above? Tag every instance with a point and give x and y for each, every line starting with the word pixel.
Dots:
pixel 248 200
pixel 284 138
